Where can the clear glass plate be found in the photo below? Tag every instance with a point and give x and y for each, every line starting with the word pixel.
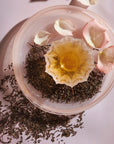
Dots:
pixel 44 20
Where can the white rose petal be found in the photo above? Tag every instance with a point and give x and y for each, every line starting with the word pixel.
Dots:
pixel 64 27
pixel 41 37
pixel 83 3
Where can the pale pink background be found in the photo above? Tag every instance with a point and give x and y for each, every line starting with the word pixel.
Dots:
pixel 99 120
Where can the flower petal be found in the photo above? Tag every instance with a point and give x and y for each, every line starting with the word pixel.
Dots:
pixel 41 37
pixel 64 27
pixel 106 60
pixel 92 2
pixel 83 3
pixel 95 34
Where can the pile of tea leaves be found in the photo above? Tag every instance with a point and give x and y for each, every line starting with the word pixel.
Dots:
pixel 42 81
pixel 23 122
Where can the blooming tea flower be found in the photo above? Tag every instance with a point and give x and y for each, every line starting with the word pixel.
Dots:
pixel 69 61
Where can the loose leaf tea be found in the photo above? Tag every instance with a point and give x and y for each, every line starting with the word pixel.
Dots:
pixel 39 79
pixel 19 117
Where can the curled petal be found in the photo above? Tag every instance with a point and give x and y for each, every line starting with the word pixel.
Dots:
pixel 92 2
pixel 41 37
pixel 106 60
pixel 95 34
pixel 64 27
pixel 83 3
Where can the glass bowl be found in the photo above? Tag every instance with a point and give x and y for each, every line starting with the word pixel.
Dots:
pixel 43 20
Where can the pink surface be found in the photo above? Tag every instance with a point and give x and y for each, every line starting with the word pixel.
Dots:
pixel 99 120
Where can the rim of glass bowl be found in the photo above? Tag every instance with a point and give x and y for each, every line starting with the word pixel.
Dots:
pixel 27 22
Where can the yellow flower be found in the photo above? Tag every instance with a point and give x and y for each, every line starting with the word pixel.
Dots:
pixel 69 61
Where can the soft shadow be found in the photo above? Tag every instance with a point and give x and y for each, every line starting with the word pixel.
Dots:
pixel 6 44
